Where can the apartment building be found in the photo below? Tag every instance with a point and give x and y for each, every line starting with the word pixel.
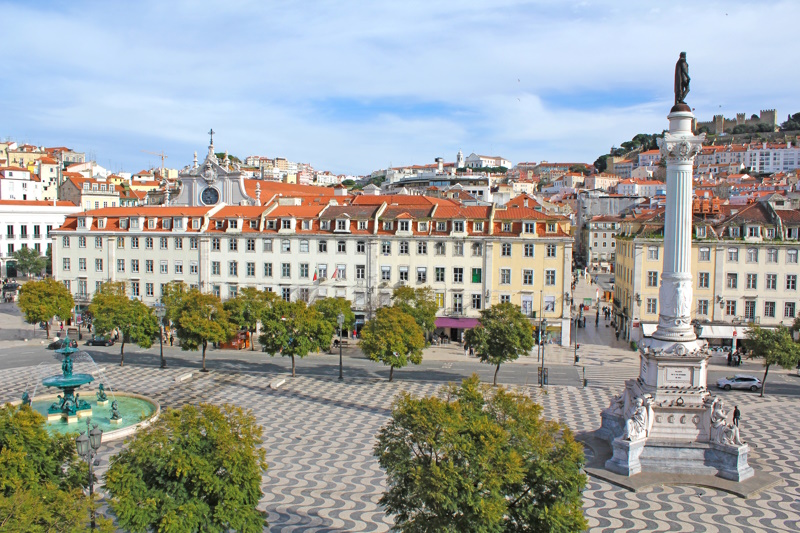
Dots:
pixel 88 193
pixel 599 239
pixel 358 248
pixel 745 266
pixel 17 183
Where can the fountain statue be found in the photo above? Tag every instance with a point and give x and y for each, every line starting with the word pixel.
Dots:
pixel 69 406
pixel 102 399
pixel 116 418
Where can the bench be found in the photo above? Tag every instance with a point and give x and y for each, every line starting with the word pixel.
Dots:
pixel 335 345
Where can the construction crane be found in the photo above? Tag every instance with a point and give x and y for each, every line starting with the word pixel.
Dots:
pixel 163 156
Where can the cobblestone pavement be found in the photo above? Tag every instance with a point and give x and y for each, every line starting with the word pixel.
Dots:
pixel 319 435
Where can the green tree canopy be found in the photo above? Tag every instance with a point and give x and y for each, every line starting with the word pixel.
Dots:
pixel 29 261
pixel 113 310
pixel 330 308
pixel 792 123
pixel 196 469
pixel 245 309
pixel 503 335
pixel 40 301
pixel 420 303
pixel 41 477
pixel 172 299
pixel 294 329
pixel 393 338
pixel 200 318
pixel 775 346
pixel 479 460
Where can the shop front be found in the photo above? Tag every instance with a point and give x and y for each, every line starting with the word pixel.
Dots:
pixel 452 329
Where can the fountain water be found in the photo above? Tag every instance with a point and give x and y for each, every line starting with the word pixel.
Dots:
pixel 69 406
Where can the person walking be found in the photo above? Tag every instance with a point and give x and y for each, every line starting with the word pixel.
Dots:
pixel 736 415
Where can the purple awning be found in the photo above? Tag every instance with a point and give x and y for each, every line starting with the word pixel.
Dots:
pixel 464 323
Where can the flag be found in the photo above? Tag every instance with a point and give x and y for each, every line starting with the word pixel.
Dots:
pixel 315 275
pixel 335 270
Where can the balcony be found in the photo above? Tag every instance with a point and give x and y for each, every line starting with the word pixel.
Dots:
pixel 82 297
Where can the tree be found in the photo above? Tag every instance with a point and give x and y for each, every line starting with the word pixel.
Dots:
pixel 420 303
pixel 245 309
pixel 792 123
pixel 476 459
pixel 41 300
pixel 29 261
pixel 503 335
pixel 330 308
pixel 41 477
pixel 113 310
pixel 196 469
pixel 294 329
pixel 393 338
pixel 200 318
pixel 172 299
pixel 775 346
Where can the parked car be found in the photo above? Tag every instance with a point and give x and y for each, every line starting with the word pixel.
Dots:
pixel 740 382
pixel 100 340
pixel 62 343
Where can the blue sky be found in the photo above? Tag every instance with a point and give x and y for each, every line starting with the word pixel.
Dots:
pixel 354 86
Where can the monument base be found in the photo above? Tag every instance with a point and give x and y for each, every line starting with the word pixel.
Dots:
pixel 102 402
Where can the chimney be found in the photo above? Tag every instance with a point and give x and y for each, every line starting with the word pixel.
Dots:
pixel 439 165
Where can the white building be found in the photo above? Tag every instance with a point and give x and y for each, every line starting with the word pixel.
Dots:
pixel 16 183
pixel 482 161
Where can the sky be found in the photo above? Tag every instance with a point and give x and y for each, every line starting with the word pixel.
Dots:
pixel 353 87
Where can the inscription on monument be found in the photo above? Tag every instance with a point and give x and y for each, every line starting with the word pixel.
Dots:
pixel 678 376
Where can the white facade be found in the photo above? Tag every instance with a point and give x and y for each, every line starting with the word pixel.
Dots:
pixel 17 184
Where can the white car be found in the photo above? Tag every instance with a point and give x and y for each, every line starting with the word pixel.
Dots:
pixel 740 382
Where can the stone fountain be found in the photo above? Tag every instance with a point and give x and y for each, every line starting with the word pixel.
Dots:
pixel 68 406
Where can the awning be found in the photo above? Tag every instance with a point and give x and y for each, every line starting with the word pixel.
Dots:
pixel 723 332
pixel 648 329
pixel 464 323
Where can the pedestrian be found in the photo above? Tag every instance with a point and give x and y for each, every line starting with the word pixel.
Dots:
pixel 62 326
pixel 738 359
pixel 597 320
pixel 466 351
pixel 171 339
pixel 618 334
pixel 471 351
pixel 730 358
pixel 736 415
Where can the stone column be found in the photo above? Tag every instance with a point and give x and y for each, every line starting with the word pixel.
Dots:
pixel 679 146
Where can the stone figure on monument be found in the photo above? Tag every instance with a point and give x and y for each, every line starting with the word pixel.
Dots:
pixel 682 80
pixel 638 424
pixel 721 431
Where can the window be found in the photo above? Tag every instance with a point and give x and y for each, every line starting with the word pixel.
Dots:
pixel 439 299
pixel 458 226
pixel 286 245
pixel 341 247
pixel 652 279
pixel 702 307
pixel 404 225
pixel 164 243
pixel 458 248
pixel 788 310
pixel 303 270
pixel 286 270
pixel 267 245
pixel 66 263
pixel 120 242
pixel 303 246
pixel 529 227
pixel 422 275
pixel 179 267
pixel 477 249
pixel 551 250
pixel 439 248
pixel 98 265
pixel 148 289
pixel 440 274
pixel 387 225
pixel 476 275
pixel 361 271
pixel 730 307
pixel 286 294
pixel 791 282
pixel 772 255
pixel 477 226
pixel 193 267
pixel 98 242
pixel 551 227
pixel 386 247
pixel 505 276
pixel 120 265
pixel 179 243
pixel 458 275
pixel 323 271
pixel 215 269
pixel 505 298
pixel 749 309
pixel 733 255
pixel 703 280
pixel 770 233
pixel 233 244
pixel 752 255
pixel 528 250
pixel 65 242
pixel 403 247
pixel 527 277
pixel 752 281
pixel 403 271
pixel 254 224
pixel 233 268
pixel 322 247
pixel 422 247
pixel 734 232
pixel 652 253
pixel 753 231
pixel 458 303
pixel 286 223
pixel 251 245
pixel 164 267
pixel 441 226
pixel 148 266
pixel 215 244
pixel 361 247
pixel 550 277
pixel 362 224
pixel 386 273
pixel 193 243
pixel 772 281
pixel 476 301
pixel 791 257
pixel 701 232
pixel 704 254
pixel 82 264
pixel 505 250
pixel 306 224
pixel 769 309
pixel 134 288
pixel 651 306
pixel 731 280
pixel 267 270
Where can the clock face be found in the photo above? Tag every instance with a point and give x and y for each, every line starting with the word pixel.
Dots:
pixel 209 196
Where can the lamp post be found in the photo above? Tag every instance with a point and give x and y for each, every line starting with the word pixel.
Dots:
pixel 87 448
pixel 544 331
pixel 161 312
pixel 340 321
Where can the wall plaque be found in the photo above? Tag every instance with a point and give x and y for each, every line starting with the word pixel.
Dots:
pixel 682 376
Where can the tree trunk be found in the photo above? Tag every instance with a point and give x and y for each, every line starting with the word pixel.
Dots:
pixel 764 381
pixel 205 345
pixel 391 373
pixel 47 328
pixel 122 352
pixel 292 365
pixel 496 370
pixel 252 338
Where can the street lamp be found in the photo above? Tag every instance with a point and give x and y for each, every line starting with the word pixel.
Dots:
pixel 544 330
pixel 161 312
pixel 87 448
pixel 340 321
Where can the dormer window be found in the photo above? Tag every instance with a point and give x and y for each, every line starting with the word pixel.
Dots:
pixel 701 232
pixel 101 223
pixel 734 231
pixel 405 225
pixel 770 233
pixel 753 231
pixel 134 223
pixel 123 223
pixel 254 224
pixel 151 223
pixel 551 227
pixel 422 226
pixel 325 224
pixel 103 187
pixel 458 226
pixel 94 186
pixel 85 186
pixel 477 226
pixel 791 233
pixel 219 224
pixel 387 225
pixel 341 225
pixel 233 224
pixel 507 227
pixel 178 223
pixel 441 226
pixel 362 224
pixel 529 227
pixel 166 223
pixel 270 224
pixel 82 223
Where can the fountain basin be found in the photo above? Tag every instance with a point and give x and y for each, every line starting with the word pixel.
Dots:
pixel 61 382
